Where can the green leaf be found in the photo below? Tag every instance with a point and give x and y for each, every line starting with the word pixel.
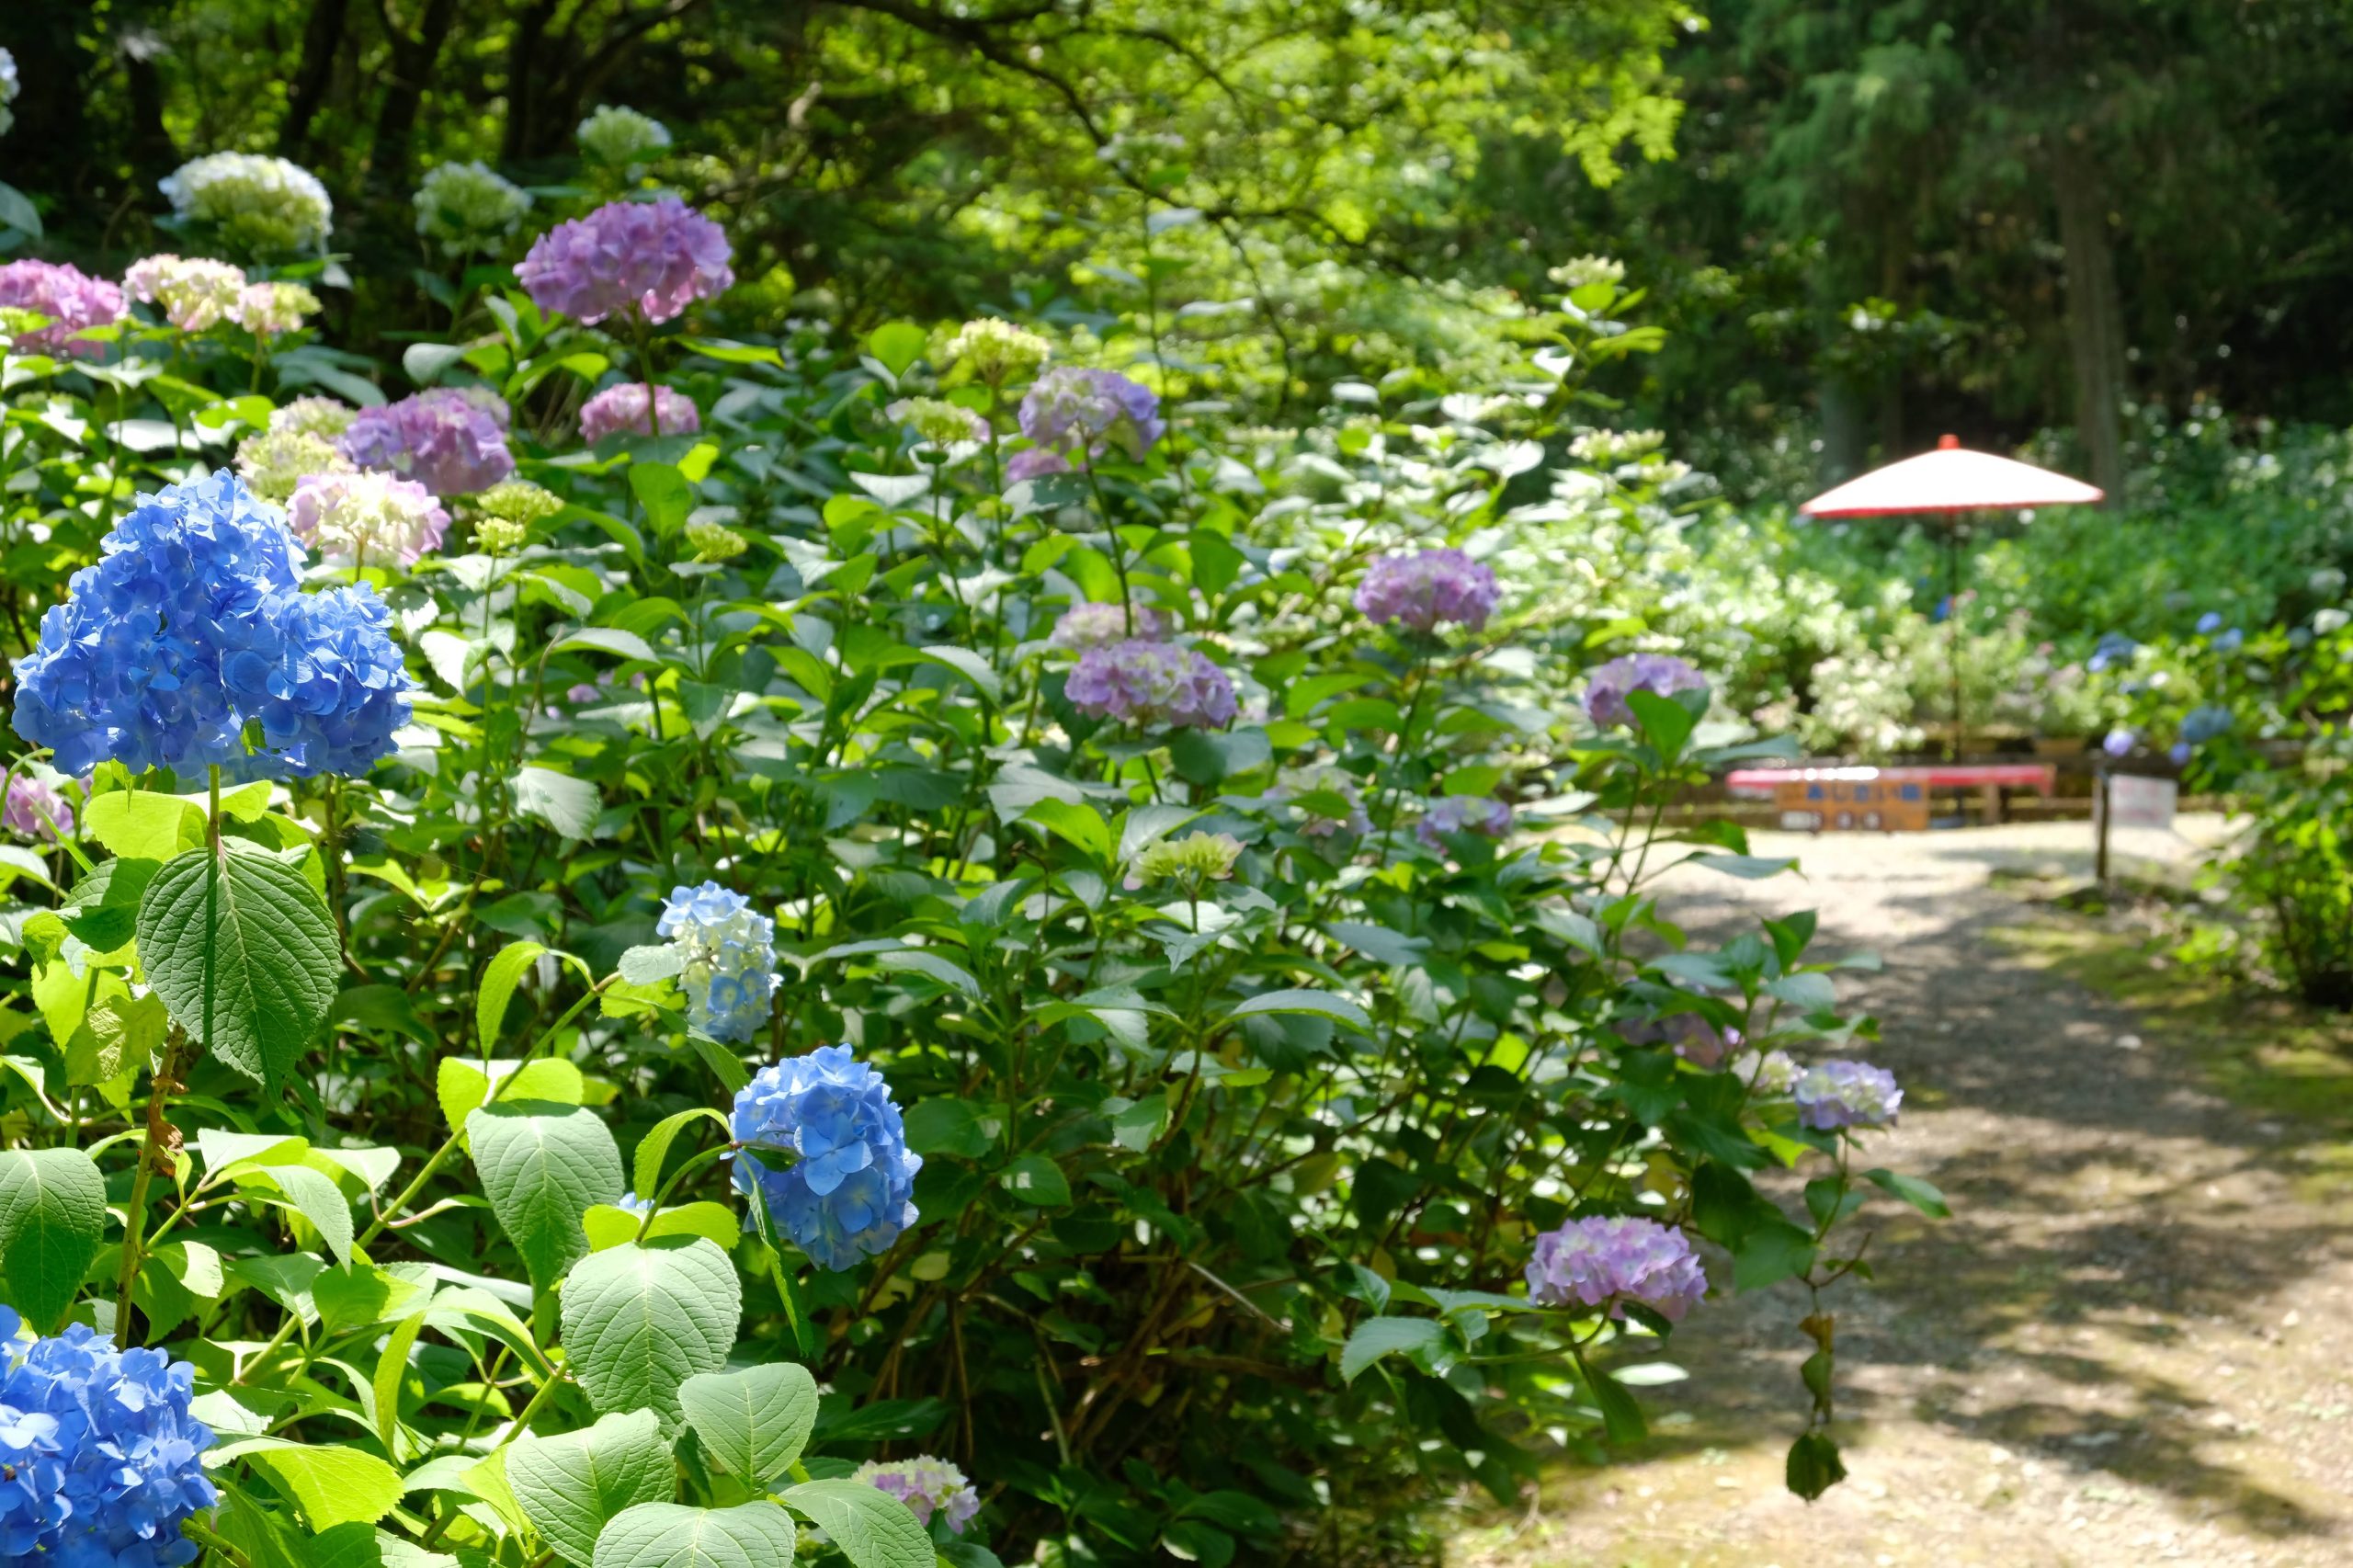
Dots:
pixel 669 1534
pixel 1921 1195
pixel 392 1370
pixel 753 1423
pixel 873 1528
pixel 570 1487
pixel 654 1147
pixel 608 640
pixel 898 344
pixel 1665 722
pixel 499 979
pixel 968 664
pixel 52 1215
pixel 1036 1180
pixel 641 1319
pixel 462 1085
pixel 1080 825
pixel 567 804
pixel 17 211
pixel 608 1226
pixel 243 955
pixel 1774 1250
pixel 1376 1337
pixel 947 1125
pixel 1321 1003
pixel 1622 1417
pixel 665 494
pixel 542 1164
pixel 331 1485
pixel 1814 1466
pixel 138 825
pixel 317 1199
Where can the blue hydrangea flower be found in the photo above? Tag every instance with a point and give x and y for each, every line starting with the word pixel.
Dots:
pixel 192 625
pixel 633 1204
pixel 848 1191
pixel 730 978
pixel 1095 409
pixel 2113 647
pixel 2205 722
pixel 1847 1094
pixel 2209 624
pixel 2229 641
pixel 99 1454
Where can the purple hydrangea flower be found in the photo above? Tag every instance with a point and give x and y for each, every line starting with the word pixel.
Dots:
pixel 71 300
pixel 1451 814
pixel 848 1190
pixel 449 441
pixel 99 1458
pixel 1692 1038
pixel 1617 1259
pixel 36 808
pixel 928 1486
pixel 1661 675
pixel 1034 463
pixel 1845 1093
pixel 1152 683
pixel 730 978
pixel 1084 625
pixel 193 624
pixel 2119 742
pixel 626 409
pixel 651 257
pixel 1093 409
pixel 1427 589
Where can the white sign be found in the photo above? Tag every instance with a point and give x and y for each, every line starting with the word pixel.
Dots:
pixel 2134 801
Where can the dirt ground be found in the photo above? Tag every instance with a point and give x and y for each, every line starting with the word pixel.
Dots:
pixel 2133 1341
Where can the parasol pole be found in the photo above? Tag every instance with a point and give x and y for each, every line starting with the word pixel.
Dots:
pixel 1952 624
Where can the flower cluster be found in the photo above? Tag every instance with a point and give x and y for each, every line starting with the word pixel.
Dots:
pixel 1428 589
pixel 927 1486
pixel 1607 449
pixel 1845 1093
pixel 1093 409
pixel 1144 682
pixel 192 291
pixel 628 409
pixel 1617 1259
pixel 1692 1037
pixel 451 443
pixel 519 501
pixel 322 416
pixel 620 136
pixel 1317 819
pixel 191 626
pixel 730 976
pixel 469 207
pixel 71 300
pixel 849 1189
pixel 1770 1072
pixel 1084 625
pixel 361 520
pixel 1197 857
pixel 36 808
pixel 652 257
pixel 1034 463
pixel 1451 814
pixel 274 461
pixel 262 203
pixel 999 351
pixel 939 422
pixel 1661 675
pixel 1580 270
pixel 712 540
pixel 268 309
pixel 10 88
pixel 99 1459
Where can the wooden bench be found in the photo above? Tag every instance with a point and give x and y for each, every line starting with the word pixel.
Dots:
pixel 1882 800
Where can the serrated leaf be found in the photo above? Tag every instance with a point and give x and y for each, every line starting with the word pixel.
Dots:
pixel 947 1125
pixel 1923 1196
pixel 754 1422
pixel 639 1320
pixel 331 1485
pixel 652 964
pixel 873 1528
pixel 1319 1004
pixel 53 1215
pixel 670 1535
pixel 542 1165
pixel 968 664
pixel 654 1149
pixel 1376 1337
pixel 243 955
pixel 499 979
pixel 567 804
pixel 317 1199
pixel 570 1486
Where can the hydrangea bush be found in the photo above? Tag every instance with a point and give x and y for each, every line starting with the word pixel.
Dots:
pixel 754 967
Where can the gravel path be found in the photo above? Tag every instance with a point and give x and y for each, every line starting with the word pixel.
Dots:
pixel 2132 1343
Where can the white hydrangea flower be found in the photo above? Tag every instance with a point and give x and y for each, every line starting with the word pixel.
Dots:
pixel 621 136
pixel 263 203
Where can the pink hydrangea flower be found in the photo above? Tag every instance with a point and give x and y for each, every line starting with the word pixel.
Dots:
pixel 626 409
pixel 1152 683
pixel 1617 1259
pixel 193 292
pixel 71 300
pixel 1428 589
pixel 33 806
pixel 652 257
pixel 446 441
pixel 365 519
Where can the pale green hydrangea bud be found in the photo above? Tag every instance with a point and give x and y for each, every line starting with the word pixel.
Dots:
pixel 622 137
pixel 264 204
pixel 519 501
pixel 319 417
pixel 268 309
pixel 500 536
pixel 274 461
pixel 999 351
pixel 941 422
pixel 469 207
pixel 1196 858
pixel 712 542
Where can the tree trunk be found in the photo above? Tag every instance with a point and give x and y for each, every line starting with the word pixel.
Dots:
pixel 2095 318
pixel 411 68
pixel 321 40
